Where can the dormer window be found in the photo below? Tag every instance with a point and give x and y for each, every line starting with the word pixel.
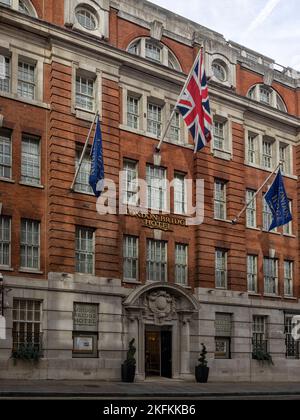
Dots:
pixel 154 51
pixel 267 96
pixel 86 18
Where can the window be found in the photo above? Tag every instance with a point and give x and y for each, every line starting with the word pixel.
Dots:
pixel 130 256
pixel 85 250
pixel 221 269
pixel 157 187
pixel 153 51
pixel 265 95
pixel 181 264
pixel 271 276
pixel 5 241
pixel 288 278
pixel 251 209
pixel 134 48
pixel 267 154
pixel 252 273
pixel 30 244
pixel 175 128
pixel 5 155
pixel 292 346
pixel 259 341
pixel 7 2
pixel 26 80
pixel 223 328
pixel 251 93
pixel 23 8
pixel 30 168
pixel 154 119
pixel 27 324
pixel 219 71
pixel 133 113
pixel 82 182
pixel 131 195
pixel 85 330
pixel 288 228
pixel 219 135
pixel 180 199
pixel 5 81
pixel 85 93
pixel 284 158
pixel 86 18
pixel 220 200
pixel 173 62
pixel 252 149
pixel 267 217
pixel 156 261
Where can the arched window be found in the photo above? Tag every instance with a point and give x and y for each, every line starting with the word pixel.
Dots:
pixel 154 51
pixel 87 18
pixel 267 96
pixel 220 70
pixel 26 7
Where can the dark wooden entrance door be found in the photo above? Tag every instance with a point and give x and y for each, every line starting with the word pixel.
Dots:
pixel 158 353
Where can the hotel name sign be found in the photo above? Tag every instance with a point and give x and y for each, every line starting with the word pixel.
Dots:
pixel 158 221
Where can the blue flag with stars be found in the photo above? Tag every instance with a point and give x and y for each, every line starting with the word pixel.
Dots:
pixel 97 165
pixel 279 204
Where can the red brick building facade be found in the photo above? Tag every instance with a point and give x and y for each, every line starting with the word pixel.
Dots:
pixel 234 287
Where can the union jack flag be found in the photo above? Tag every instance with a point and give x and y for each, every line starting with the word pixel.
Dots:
pixel 194 105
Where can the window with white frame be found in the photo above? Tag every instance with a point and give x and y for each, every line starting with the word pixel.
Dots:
pixel 288 228
pixel 31 159
pixel 85 92
pixel 284 156
pixel 219 135
pixel 252 271
pixel 220 201
pixel 271 276
pixel 252 149
pixel 219 70
pixel 156 261
pixel 82 182
pixel 181 264
pixel 154 119
pixel 5 154
pixel 27 324
pixel 5 241
pixel 26 79
pixel 157 187
pixel 288 278
pixel 180 195
pixel 6 2
pixel 221 258
pixel 86 17
pixel 130 167
pixel 133 112
pixel 268 153
pixel 251 209
pixel 30 244
pixel 5 81
pixel 259 335
pixel 130 258
pixel 267 216
pixel 175 128
pixel 153 51
pixel 85 250
pixel 292 346
pixel 267 96
pixel 135 47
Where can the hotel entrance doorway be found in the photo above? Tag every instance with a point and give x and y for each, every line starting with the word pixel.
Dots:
pixel 158 352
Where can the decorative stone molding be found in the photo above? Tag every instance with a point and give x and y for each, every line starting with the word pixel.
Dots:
pixel 159 307
pixel 198 38
pixel 269 77
pixel 156 30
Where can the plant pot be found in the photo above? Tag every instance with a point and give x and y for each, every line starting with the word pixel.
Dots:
pixel 201 374
pixel 128 373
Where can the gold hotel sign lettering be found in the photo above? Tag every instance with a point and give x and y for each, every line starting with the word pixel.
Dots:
pixel 157 221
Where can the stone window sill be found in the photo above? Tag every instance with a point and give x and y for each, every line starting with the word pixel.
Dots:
pixel 9 181
pixel 33 102
pixel 29 271
pixel 26 184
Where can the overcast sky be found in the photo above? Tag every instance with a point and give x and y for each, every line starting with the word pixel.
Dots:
pixel 271 27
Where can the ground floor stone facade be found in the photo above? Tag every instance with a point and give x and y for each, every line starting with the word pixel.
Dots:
pixel 85 325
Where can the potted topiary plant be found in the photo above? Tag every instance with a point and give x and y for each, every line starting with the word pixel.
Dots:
pixel 129 366
pixel 202 371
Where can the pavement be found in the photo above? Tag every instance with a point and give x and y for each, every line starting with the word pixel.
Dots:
pixel 151 389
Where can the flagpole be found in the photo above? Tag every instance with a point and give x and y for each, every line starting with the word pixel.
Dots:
pixel 175 107
pixel 236 220
pixel 84 151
